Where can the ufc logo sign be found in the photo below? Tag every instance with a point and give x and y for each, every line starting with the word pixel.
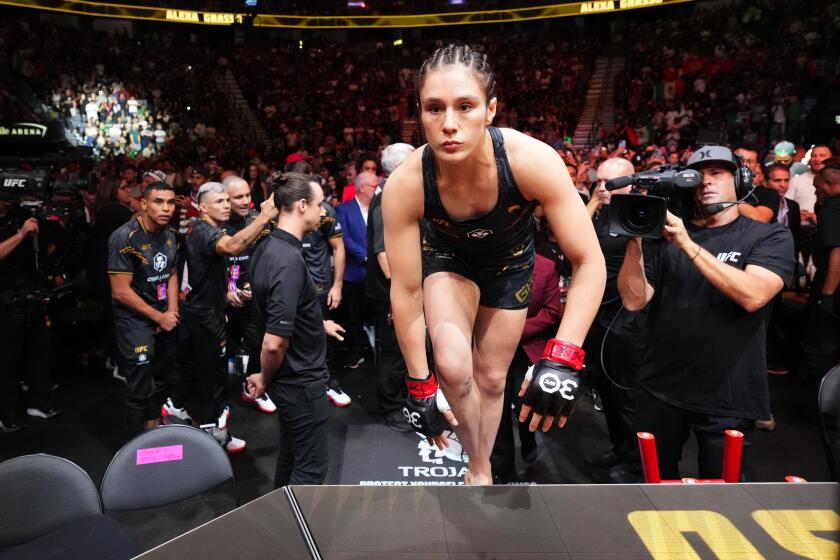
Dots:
pixel 14 183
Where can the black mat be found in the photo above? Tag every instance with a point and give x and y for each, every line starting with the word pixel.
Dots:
pixel 376 455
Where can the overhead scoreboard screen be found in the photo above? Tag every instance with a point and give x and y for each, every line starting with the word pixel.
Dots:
pixel 196 17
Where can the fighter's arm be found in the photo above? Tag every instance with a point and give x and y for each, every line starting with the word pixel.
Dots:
pixel 402 209
pixel 541 175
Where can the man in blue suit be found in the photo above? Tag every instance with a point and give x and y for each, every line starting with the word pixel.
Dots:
pixel 352 215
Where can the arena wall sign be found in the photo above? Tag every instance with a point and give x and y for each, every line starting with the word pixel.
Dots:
pixel 125 11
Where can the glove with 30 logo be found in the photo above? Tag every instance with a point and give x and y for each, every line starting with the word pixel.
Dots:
pixel 420 407
pixel 554 384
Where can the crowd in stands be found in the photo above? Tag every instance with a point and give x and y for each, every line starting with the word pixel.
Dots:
pixel 123 96
pixel 749 75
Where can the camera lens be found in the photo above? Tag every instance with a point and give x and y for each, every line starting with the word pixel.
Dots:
pixel 640 217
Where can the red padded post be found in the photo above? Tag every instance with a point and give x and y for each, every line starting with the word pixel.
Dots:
pixel 650 462
pixel 733 446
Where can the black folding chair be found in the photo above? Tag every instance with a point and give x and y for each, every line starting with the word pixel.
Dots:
pixel 828 401
pixel 163 466
pixel 40 494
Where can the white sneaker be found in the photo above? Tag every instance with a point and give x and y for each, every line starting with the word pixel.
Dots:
pixel 337 396
pixel 219 430
pixel 171 414
pixel 263 404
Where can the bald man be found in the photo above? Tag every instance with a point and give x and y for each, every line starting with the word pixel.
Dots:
pixel 242 319
pixel 626 340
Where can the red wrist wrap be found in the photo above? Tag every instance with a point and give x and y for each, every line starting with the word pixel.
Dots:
pixel 422 388
pixel 564 353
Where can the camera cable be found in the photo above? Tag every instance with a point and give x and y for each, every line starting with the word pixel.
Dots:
pixel 603 345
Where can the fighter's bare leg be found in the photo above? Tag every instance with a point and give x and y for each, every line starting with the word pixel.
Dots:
pixel 497 333
pixel 450 303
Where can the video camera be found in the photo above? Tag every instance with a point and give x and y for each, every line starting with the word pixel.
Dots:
pixel 654 192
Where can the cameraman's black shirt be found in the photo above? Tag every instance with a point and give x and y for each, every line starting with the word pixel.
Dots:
pixel 613 247
pixel 705 352
pixel 205 268
pixel 238 265
pixel 288 306
pixel 150 258
pixel 828 227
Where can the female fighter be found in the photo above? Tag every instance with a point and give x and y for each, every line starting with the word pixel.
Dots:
pixel 465 274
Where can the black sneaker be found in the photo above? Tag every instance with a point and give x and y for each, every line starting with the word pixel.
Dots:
pixel 11 423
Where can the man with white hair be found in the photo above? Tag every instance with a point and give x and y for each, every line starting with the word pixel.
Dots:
pixel 391 158
pixel 208 245
pixel 353 217
pixel 615 369
pixel 392 368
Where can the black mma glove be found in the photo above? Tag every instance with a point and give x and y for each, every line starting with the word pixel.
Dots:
pixel 420 406
pixel 555 383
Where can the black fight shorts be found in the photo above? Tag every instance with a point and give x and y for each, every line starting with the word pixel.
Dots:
pixel 505 280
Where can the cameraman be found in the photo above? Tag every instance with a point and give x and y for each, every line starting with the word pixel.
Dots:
pixel 24 329
pixel 615 374
pixel 704 367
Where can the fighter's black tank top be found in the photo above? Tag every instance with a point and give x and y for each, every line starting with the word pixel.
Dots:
pixel 506 227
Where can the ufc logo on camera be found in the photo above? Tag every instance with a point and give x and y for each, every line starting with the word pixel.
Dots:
pixel 14 183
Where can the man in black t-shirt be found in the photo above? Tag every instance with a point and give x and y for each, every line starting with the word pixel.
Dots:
pixel 244 335
pixel 615 376
pixel 293 358
pixel 392 368
pixel 24 328
pixel 317 246
pixel 822 341
pixel 763 204
pixel 142 258
pixel 708 284
pixel 207 246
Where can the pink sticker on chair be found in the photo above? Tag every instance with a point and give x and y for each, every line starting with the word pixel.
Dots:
pixel 160 454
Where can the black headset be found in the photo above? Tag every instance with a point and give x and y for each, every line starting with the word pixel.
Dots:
pixel 744 184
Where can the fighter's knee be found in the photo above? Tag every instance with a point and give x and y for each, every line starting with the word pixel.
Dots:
pixel 492 386
pixel 452 366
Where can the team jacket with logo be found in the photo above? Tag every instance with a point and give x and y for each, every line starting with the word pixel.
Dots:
pixel 149 257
